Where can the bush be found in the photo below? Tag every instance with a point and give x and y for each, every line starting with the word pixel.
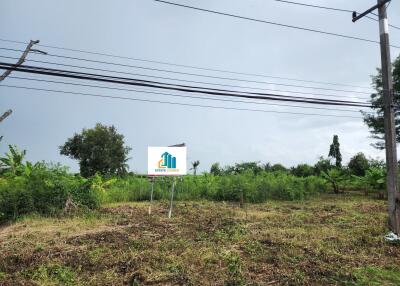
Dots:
pixel 15 199
pixel 44 190
pixel 254 188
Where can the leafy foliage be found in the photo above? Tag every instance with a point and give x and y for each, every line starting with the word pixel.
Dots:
pixel 323 165
pixel 375 121
pixel 216 170
pixel 302 170
pixel 335 176
pixel 100 149
pixel 358 164
pixel 40 188
pixel 47 189
pixel 374 180
pixel 12 162
pixel 277 168
pixel 255 188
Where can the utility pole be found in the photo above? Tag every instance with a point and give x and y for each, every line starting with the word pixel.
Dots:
pixel 21 59
pixel 5 115
pixel 389 116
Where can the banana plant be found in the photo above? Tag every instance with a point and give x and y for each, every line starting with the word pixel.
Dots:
pixel 334 176
pixel 373 180
pixel 13 161
pixel 99 184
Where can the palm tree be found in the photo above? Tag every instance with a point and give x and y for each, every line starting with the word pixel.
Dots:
pixel 195 164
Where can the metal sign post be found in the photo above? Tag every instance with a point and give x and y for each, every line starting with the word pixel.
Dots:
pixel 172 198
pixel 166 162
pixel 151 194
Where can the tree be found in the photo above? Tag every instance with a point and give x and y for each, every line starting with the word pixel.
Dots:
pixel 216 169
pixel 375 120
pixel 195 165
pixel 100 149
pixel 334 151
pixel 323 165
pixel 302 170
pixel 358 164
pixel 278 168
pixel 247 167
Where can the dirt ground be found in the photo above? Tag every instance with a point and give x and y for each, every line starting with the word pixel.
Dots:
pixel 332 240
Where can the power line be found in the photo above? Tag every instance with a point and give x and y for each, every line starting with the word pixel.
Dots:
pixel 273 23
pixel 194 74
pixel 191 81
pixel 315 6
pixel 179 95
pixel 189 66
pixel 190 89
pixel 175 87
pixel 332 9
pixel 178 103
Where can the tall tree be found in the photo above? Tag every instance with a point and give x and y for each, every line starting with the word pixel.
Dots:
pixel 334 151
pixel 358 164
pixel 375 120
pixel 100 149
pixel 216 170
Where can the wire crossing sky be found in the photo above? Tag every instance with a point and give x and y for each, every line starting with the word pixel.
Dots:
pixel 274 23
pixel 173 64
pixel 175 87
pixel 233 91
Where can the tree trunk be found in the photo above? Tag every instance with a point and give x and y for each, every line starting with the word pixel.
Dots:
pixel 335 188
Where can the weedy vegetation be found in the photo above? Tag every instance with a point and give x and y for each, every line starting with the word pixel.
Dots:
pixel 247 224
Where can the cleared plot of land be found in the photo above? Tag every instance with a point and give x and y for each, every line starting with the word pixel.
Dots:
pixel 332 240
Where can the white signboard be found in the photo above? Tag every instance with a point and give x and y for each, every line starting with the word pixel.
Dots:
pixel 166 161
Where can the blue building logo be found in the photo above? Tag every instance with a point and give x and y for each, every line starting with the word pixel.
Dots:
pixel 167 161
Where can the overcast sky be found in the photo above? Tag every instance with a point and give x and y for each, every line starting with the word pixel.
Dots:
pixel 144 29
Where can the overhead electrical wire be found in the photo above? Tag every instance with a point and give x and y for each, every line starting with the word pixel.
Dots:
pixel 186 66
pixel 315 6
pixel 179 95
pixel 273 23
pixel 191 81
pixel 195 74
pixel 123 80
pixel 182 104
pixel 332 9
pixel 183 88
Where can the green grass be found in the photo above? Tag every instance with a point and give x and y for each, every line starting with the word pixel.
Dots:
pixel 377 276
pixel 54 274
pixel 329 240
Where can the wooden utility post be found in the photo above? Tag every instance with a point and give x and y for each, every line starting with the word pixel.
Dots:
pixel 21 59
pixel 17 64
pixel 389 116
pixel 5 115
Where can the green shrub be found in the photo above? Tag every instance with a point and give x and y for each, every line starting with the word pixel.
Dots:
pixel 254 188
pixel 15 199
pixel 44 190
